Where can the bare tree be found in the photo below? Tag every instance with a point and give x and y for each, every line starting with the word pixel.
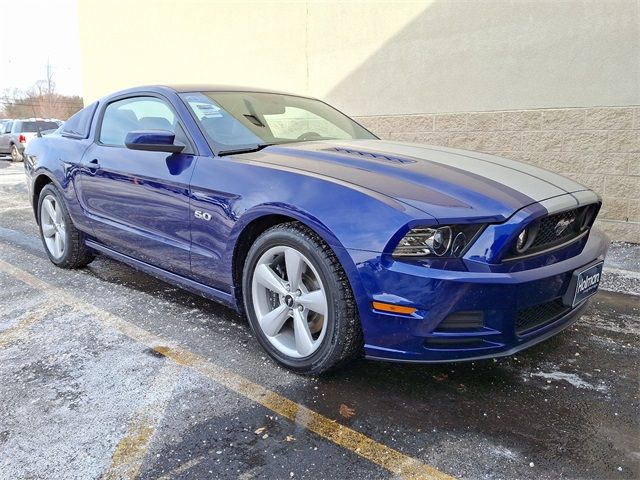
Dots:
pixel 41 100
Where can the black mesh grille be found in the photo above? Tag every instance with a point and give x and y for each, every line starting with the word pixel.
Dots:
pixel 557 228
pixel 539 315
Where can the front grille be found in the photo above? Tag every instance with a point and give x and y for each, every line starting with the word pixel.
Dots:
pixel 556 230
pixel 537 316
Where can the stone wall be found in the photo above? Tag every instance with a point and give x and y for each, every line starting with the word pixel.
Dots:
pixel 597 147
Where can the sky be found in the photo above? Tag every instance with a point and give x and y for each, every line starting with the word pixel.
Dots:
pixel 40 31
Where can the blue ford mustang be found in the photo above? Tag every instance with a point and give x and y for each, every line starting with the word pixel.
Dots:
pixel 333 243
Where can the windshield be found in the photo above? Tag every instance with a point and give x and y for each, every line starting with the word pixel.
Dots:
pixel 245 120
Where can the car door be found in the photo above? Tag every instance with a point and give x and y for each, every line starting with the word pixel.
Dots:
pixel 5 132
pixel 138 201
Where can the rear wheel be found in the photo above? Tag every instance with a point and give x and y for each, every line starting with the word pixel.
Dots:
pixel 299 301
pixel 62 241
pixel 16 156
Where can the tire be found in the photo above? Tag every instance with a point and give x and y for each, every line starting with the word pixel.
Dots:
pixel 323 301
pixel 73 253
pixel 16 156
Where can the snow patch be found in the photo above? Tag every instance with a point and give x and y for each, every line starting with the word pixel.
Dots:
pixel 500 451
pixel 571 378
pixel 627 324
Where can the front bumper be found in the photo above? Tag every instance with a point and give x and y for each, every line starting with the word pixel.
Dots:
pixel 505 301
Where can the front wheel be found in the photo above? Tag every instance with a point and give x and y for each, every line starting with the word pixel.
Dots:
pixel 299 301
pixel 63 242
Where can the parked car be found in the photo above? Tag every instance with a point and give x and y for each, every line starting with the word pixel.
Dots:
pixel 333 242
pixel 42 133
pixel 5 125
pixel 17 133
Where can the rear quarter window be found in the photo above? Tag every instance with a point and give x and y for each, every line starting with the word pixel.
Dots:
pixel 79 125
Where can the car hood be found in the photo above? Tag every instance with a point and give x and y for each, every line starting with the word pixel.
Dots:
pixel 442 182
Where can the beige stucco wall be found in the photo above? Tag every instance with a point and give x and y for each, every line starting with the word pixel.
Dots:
pixel 381 59
pixel 374 57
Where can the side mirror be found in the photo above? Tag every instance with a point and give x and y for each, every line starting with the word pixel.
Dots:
pixel 152 141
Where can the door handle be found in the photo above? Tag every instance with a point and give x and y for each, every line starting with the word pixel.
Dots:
pixel 93 164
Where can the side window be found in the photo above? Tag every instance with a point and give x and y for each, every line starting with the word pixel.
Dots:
pixel 140 113
pixel 7 128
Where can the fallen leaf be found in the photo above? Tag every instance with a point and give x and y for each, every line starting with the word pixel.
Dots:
pixel 290 438
pixel 346 411
pixel 260 430
pixel 441 377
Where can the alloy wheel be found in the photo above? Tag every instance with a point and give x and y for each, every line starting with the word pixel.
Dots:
pixel 53 227
pixel 290 301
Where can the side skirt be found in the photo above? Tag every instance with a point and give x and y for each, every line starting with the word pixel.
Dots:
pixel 211 293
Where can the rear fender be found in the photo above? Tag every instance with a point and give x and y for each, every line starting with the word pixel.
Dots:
pixel 58 160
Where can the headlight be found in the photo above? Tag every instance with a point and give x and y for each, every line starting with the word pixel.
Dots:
pixel 444 241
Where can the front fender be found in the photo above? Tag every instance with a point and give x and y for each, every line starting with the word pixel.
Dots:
pixel 267 209
pixel 343 255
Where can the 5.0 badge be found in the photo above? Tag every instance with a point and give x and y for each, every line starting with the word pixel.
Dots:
pixel 202 215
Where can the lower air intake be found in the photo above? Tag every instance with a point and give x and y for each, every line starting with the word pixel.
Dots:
pixel 461 321
pixel 537 316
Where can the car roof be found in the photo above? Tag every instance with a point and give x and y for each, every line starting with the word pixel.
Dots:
pixel 185 88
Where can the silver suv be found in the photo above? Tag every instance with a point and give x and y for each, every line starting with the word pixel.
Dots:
pixel 14 134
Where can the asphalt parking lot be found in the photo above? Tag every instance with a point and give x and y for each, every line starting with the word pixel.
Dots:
pixel 107 372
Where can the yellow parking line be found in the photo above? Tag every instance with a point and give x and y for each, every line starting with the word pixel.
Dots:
pixel 394 461
pixel 185 467
pixel 11 209
pixel 14 332
pixel 132 448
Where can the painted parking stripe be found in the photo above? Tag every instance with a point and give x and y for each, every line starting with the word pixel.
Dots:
pixel 394 461
pixel 15 332
pixel 21 207
pixel 132 448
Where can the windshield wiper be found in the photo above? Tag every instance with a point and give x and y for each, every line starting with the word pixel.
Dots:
pixel 252 148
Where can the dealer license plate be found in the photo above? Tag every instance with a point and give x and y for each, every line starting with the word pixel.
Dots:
pixel 584 283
